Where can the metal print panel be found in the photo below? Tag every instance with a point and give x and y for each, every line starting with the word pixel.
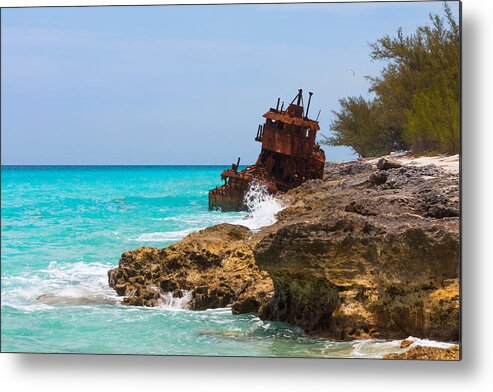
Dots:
pixel 266 180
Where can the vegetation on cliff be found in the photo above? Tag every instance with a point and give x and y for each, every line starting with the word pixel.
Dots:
pixel 416 103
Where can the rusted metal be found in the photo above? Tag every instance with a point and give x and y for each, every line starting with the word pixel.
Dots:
pixel 289 157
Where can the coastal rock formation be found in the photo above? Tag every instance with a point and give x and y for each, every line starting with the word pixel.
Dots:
pixel 213 268
pixel 355 258
pixel 369 251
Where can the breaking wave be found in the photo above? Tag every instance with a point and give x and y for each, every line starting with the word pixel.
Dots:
pixel 169 301
pixel 262 207
pixel 373 348
pixel 77 284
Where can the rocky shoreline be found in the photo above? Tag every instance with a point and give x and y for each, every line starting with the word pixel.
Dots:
pixel 215 267
pixel 370 251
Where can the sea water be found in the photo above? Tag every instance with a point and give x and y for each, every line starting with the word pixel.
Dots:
pixel 63 227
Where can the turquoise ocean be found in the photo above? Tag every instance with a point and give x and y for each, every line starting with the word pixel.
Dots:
pixel 63 227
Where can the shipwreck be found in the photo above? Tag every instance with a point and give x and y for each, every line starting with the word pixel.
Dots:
pixel 289 156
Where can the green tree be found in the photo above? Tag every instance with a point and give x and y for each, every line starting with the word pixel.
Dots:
pixel 358 125
pixel 416 97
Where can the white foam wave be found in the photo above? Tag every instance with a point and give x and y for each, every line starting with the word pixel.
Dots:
pixel 372 348
pixel 429 343
pixel 60 284
pixel 262 207
pixel 169 301
pixel 165 236
pixel 219 310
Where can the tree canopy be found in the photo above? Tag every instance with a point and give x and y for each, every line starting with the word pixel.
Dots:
pixel 416 104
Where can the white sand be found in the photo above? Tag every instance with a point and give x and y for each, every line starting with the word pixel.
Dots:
pixel 449 163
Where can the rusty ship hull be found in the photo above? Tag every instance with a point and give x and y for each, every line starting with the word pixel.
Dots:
pixel 289 157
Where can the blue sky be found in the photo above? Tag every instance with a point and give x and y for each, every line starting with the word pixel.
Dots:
pixel 179 84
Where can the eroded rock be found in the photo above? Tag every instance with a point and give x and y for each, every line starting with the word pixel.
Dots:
pixel 347 259
pixel 387 163
pixel 359 260
pixel 406 343
pixel 215 267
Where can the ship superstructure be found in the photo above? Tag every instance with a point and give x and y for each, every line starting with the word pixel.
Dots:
pixel 289 156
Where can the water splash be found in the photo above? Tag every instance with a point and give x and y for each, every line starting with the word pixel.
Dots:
pixel 375 348
pixel 262 207
pixel 169 301
pixel 60 284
